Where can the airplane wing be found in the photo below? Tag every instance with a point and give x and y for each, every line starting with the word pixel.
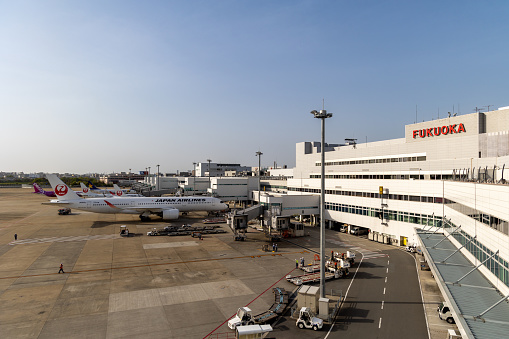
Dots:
pixel 53 202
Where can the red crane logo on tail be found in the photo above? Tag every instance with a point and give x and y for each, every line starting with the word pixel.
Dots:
pixel 85 190
pixel 119 193
pixel 61 190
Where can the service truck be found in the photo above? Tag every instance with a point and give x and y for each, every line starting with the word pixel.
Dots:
pixel 444 313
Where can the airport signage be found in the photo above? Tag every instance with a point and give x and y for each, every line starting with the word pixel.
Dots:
pixel 437 131
pixel 174 200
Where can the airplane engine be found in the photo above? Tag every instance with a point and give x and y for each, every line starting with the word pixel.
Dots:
pixel 170 214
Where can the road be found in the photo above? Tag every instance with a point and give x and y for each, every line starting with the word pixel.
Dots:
pixel 383 293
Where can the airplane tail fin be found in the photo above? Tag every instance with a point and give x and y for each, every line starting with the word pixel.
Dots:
pixel 62 191
pixel 117 191
pixel 38 188
pixel 92 186
pixel 84 188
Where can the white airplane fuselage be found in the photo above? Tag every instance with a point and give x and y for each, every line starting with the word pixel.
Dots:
pixel 133 205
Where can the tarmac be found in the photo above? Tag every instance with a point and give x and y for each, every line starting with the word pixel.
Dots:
pixel 140 286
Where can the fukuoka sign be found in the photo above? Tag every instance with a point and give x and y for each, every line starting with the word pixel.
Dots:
pixel 436 131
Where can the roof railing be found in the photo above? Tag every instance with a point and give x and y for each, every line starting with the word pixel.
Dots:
pixel 475 268
pixel 457 228
pixel 453 253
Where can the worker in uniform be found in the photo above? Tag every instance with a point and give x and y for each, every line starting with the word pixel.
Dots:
pixel 61 268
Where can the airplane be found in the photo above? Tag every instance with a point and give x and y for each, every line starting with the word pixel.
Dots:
pixel 94 189
pixel 124 193
pixel 167 208
pixel 39 190
pixel 86 192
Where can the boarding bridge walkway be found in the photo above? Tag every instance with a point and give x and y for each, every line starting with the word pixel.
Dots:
pixel 251 212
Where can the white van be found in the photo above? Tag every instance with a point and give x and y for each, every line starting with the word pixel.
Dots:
pixel 444 313
pixel 356 230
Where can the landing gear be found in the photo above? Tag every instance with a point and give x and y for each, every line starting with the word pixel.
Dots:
pixel 144 218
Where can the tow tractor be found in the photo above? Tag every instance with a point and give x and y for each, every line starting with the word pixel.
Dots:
pixel 124 232
pixel 307 319
pixel 64 211
pixel 338 266
pixel 348 256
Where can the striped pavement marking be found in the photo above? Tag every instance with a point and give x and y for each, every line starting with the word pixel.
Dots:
pixel 64 239
pixel 367 254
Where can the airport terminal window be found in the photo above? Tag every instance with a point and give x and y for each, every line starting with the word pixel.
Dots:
pixel 371 161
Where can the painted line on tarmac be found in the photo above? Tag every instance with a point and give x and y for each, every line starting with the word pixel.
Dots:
pixel 156 264
pixel 346 295
pixel 64 239
pixel 420 289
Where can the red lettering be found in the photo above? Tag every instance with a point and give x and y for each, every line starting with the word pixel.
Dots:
pixel 461 128
pixel 436 131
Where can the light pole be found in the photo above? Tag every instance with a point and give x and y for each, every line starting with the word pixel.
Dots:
pixel 209 176
pixel 259 155
pixel 194 177
pixel 322 115
pixel 158 177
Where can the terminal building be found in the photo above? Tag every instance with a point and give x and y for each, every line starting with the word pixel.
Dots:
pixel 446 175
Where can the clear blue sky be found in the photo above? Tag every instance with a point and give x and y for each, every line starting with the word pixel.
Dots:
pixel 102 86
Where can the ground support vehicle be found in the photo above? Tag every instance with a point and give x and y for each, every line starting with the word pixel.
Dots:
pixel 214 221
pixel 252 331
pixel 444 313
pixel 244 316
pixel 186 230
pixel 309 278
pixel 64 211
pixel 339 267
pixel 307 319
pixel 311 268
pixel 124 231
pixel 348 256
pixel 239 236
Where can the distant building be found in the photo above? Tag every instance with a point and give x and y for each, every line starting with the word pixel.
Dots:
pixel 219 170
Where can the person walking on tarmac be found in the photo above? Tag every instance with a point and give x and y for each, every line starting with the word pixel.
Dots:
pixel 296 263
pixel 61 268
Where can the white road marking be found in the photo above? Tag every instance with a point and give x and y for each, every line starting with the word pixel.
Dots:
pixel 386 280
pixel 64 239
pixel 380 323
pixel 382 304
pixel 387 270
pixel 384 290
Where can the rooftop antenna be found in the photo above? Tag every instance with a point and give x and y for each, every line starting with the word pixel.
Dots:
pixel 459 109
pixel 439 112
pixel 415 114
pixel 323 103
